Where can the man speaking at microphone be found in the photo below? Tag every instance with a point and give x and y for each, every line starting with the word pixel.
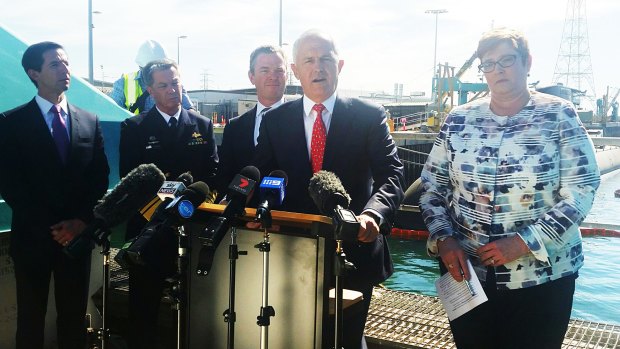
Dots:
pixel 348 137
pixel 176 141
pixel 52 172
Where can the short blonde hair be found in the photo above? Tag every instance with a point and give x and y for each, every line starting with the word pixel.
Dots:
pixel 495 37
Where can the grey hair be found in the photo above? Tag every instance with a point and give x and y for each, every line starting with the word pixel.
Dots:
pixel 157 65
pixel 312 34
pixel 494 37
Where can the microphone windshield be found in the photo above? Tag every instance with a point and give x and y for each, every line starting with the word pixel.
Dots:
pixel 327 192
pixel 279 174
pixel 130 194
pixel 251 172
pixel 197 193
pixel 186 178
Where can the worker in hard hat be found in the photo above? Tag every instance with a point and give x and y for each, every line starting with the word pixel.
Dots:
pixel 130 92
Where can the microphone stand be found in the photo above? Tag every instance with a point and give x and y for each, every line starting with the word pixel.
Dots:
pixel 340 267
pixel 229 314
pixel 103 334
pixel 346 227
pixel 266 311
pixel 179 289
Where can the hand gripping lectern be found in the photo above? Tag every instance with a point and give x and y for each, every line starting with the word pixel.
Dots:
pixel 300 267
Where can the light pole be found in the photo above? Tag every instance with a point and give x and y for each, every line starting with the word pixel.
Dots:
pixel 436 13
pixel 179 47
pixel 280 32
pixel 289 72
pixel 90 41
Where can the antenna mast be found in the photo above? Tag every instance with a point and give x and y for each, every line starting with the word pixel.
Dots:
pixel 573 67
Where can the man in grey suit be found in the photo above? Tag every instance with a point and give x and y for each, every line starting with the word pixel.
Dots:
pixel 52 172
pixel 268 74
pixel 349 137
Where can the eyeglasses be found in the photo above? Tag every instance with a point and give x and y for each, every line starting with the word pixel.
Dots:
pixel 504 62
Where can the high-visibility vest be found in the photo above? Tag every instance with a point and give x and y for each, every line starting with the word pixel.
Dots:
pixel 132 90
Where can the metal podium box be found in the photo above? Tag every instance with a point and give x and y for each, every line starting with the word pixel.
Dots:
pixel 297 272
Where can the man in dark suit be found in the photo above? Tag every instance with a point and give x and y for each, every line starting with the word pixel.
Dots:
pixel 348 137
pixel 268 74
pixel 52 172
pixel 176 140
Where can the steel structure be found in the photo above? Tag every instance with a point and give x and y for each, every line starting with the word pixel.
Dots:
pixel 573 67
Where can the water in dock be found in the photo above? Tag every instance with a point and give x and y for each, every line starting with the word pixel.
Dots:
pixel 597 294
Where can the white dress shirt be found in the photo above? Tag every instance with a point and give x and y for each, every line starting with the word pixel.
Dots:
pixel 310 117
pixel 260 111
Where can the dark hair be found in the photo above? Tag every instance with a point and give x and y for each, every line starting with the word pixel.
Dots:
pixel 157 65
pixel 266 49
pixel 33 56
pixel 495 37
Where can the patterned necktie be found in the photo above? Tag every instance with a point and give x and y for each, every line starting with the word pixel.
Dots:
pixel 59 132
pixel 319 134
pixel 259 119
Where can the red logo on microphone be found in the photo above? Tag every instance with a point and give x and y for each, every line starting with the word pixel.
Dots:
pixel 243 183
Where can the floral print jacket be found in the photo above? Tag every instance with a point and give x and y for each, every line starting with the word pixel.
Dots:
pixel 533 174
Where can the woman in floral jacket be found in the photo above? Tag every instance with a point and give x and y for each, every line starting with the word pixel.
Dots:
pixel 508 182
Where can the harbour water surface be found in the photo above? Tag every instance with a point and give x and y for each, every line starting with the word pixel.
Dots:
pixel 597 295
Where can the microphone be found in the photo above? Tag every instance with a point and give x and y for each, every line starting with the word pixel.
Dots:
pixel 169 189
pixel 272 190
pixel 329 195
pixel 118 205
pixel 160 230
pixel 240 191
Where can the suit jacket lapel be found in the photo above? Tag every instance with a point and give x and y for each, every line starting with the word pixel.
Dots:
pixel 185 127
pixel 295 129
pixel 48 152
pixel 247 130
pixel 339 129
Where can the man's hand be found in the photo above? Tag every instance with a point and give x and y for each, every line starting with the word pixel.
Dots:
pixel 64 231
pixel 369 229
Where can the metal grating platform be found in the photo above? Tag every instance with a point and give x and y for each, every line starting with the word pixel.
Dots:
pixel 406 320
pixel 411 321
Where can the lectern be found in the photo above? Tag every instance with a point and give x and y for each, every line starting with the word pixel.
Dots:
pixel 301 262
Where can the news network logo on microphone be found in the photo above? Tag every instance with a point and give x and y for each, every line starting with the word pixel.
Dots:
pixel 183 207
pixel 273 183
pixel 170 189
pixel 186 209
pixel 242 185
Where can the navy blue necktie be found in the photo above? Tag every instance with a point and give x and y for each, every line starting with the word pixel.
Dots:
pixel 172 123
pixel 59 132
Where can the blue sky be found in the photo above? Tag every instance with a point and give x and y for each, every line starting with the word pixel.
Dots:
pixel 382 41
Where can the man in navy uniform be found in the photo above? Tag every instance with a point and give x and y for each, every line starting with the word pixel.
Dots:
pixel 52 172
pixel 176 140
